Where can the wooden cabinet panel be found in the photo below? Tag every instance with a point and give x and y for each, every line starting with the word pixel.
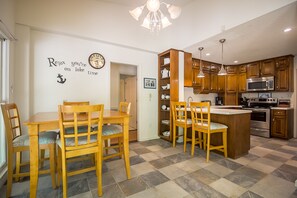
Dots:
pixel 253 70
pixel 188 72
pixel 231 69
pixel 231 83
pixel 213 82
pixel 267 67
pixel 242 82
pixel 221 84
pixel 284 74
pixel 231 99
pixel 282 123
pixel 196 81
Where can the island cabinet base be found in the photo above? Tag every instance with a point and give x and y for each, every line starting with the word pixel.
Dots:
pixel 238 133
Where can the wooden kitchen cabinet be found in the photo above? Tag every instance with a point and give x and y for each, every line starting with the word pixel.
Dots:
pixel 242 79
pixel 231 79
pixel 221 84
pixel 188 72
pixel 168 61
pixel 284 74
pixel 282 123
pixel 201 85
pixel 214 78
pixel 253 70
pixel 267 68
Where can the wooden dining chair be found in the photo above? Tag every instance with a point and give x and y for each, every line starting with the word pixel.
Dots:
pixel 81 143
pixel 201 123
pixel 111 131
pixel 179 115
pixel 18 143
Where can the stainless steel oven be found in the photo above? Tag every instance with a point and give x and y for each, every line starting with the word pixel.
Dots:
pixel 260 121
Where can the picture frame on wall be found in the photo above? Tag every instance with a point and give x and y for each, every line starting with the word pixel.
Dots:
pixel 149 83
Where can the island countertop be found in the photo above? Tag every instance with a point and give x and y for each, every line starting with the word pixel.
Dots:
pixel 223 111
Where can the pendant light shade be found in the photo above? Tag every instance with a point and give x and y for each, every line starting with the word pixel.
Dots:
pixel 222 71
pixel 201 74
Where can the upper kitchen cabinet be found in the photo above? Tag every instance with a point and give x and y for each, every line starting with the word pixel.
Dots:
pixel 201 85
pixel 253 70
pixel 284 73
pixel 242 79
pixel 231 79
pixel 214 69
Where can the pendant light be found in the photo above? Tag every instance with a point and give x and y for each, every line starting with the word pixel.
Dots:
pixel 201 74
pixel 222 71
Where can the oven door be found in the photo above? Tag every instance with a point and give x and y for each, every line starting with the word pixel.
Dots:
pixel 260 118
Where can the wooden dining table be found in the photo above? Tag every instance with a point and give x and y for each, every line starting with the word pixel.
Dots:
pixel 44 121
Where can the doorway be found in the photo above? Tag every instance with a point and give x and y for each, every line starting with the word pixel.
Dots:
pixel 123 84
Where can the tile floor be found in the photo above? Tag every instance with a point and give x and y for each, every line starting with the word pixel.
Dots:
pixel 158 170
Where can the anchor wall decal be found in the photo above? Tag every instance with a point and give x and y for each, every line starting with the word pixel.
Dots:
pixel 61 79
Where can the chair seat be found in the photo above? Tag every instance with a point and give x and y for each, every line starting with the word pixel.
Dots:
pixel 213 125
pixel 189 121
pixel 81 141
pixel 111 129
pixel 48 137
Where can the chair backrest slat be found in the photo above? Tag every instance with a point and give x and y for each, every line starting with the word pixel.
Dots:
pixel 76 116
pixel 125 107
pixel 200 113
pixel 11 121
pixel 179 111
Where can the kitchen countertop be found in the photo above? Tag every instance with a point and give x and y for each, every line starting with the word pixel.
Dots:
pixel 282 108
pixel 226 111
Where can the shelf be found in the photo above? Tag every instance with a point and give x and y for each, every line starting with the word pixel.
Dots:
pixel 165 65
pixel 165 137
pixel 167 78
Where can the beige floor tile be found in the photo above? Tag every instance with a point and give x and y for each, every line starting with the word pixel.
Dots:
pixel 218 170
pixel 172 172
pixel 279 141
pixel 269 162
pixel 171 190
pixel 292 163
pixel 132 153
pixel 273 187
pixel 228 188
pixel 242 160
pixel 119 174
pixel 115 164
pixel 168 151
pixel 83 195
pixel 149 193
pixel 291 148
pixel 281 154
pixel 261 167
pixel 189 165
pixel 260 151
pixel 142 168
pixel 201 161
pixel 149 156
pixel 154 148
pixel 135 145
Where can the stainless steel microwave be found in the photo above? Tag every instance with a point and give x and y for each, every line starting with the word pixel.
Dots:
pixel 260 84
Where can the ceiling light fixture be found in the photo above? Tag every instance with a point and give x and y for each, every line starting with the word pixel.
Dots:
pixel 235 61
pixel 207 54
pixel 222 71
pixel 155 20
pixel 287 29
pixel 201 74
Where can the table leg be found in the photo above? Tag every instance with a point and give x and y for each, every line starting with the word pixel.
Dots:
pixel 126 146
pixel 34 148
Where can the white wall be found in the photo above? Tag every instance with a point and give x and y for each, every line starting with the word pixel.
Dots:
pixel 44 93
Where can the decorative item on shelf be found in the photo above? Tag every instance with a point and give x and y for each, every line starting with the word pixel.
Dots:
pixel 166 133
pixel 222 71
pixel 165 73
pixel 163 96
pixel 166 61
pixel 164 107
pixel 168 86
pixel 167 96
pixel 164 87
pixel 201 74
pixel 168 108
pixel 165 121
pixel 155 20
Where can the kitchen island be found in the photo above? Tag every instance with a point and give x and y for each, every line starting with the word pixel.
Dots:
pixel 238 133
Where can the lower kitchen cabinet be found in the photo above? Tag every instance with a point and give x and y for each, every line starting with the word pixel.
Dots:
pixel 282 123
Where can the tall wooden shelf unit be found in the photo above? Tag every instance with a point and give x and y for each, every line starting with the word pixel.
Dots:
pixel 168 60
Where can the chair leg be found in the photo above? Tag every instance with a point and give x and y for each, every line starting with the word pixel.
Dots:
pixel 225 142
pixel 208 147
pixel 106 145
pixel 185 139
pixel 52 157
pixel 9 174
pixel 120 146
pixel 18 165
pixel 174 135
pixel 64 174
pixel 42 154
pixel 204 141
pixel 193 142
pixel 200 139
pixel 59 167
pixel 99 170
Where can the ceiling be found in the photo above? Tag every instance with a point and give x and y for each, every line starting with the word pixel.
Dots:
pixel 257 39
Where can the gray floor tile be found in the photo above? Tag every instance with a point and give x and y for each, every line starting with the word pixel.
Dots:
pixel 250 194
pixel 229 164
pixel 112 191
pixel 189 184
pixel 161 163
pixel 207 191
pixel 204 176
pixel 136 160
pixel 178 157
pixel 286 172
pixel 132 186
pixel 154 178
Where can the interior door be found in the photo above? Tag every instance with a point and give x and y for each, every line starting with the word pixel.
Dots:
pixel 130 96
